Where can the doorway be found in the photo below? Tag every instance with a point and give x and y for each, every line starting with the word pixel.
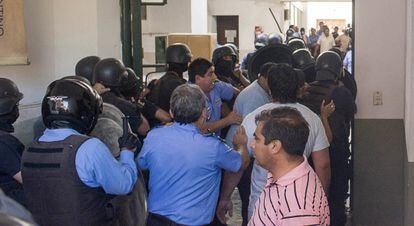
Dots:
pixel 228 30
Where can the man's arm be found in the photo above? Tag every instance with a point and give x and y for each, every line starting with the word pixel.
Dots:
pixel 212 127
pixel 322 166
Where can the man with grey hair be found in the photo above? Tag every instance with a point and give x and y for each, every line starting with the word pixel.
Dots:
pixel 185 165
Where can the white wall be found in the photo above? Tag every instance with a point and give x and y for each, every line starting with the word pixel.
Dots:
pixel 379 64
pixel 59 33
pixel 329 10
pixel 409 85
pixel 199 16
pixel 251 13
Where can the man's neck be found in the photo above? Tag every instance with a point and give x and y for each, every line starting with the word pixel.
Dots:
pixel 283 166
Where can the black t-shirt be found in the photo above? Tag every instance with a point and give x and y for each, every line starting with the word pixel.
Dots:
pixel 163 88
pixel 127 108
pixel 11 150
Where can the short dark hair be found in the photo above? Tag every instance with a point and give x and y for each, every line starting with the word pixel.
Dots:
pixel 187 103
pixel 265 68
pixel 283 83
pixel 199 67
pixel 287 125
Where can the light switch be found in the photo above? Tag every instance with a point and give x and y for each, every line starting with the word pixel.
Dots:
pixel 377 100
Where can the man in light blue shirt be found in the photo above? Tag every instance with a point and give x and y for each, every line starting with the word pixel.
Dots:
pixel 201 73
pixel 68 174
pixel 348 61
pixel 252 97
pixel 185 165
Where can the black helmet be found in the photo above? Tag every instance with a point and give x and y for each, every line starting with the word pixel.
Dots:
pixel 261 41
pixel 275 39
pixel 85 66
pixel 296 43
pixel 110 72
pixel 223 51
pixel 77 77
pixel 328 66
pixel 133 85
pixel 277 53
pixel 178 53
pixel 71 103
pixel 235 49
pixel 9 96
pixel 302 58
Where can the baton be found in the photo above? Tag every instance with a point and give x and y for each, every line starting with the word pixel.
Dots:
pixel 125 130
pixel 274 18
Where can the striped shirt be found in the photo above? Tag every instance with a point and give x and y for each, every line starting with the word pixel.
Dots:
pixel 297 198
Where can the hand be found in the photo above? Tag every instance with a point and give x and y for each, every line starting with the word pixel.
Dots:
pixel 240 138
pixel 128 141
pixel 224 206
pixel 326 110
pixel 144 93
pixel 234 118
pixel 101 89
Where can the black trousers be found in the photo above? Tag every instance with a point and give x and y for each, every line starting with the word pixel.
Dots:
pixel 154 219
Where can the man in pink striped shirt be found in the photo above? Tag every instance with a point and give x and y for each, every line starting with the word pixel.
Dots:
pixel 293 194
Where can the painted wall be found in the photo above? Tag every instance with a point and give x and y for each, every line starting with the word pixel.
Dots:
pixel 328 10
pixel 379 66
pixel 59 33
pixel 199 16
pixel 251 13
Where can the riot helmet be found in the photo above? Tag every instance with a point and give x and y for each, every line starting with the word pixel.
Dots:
pixel 133 85
pixel 77 77
pixel 85 66
pixel 178 53
pixel 71 103
pixel 235 49
pixel 302 58
pixel 296 43
pixel 221 52
pixel 110 72
pixel 9 99
pixel 275 38
pixel 261 41
pixel 328 66
pixel 289 34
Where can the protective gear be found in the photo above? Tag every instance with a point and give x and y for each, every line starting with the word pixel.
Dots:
pixel 9 96
pixel 289 34
pixel 128 141
pixel 85 67
pixel 71 103
pixel 277 53
pixel 221 52
pixel 133 85
pixel 302 59
pixel 261 41
pixel 178 53
pixel 110 72
pixel 77 77
pixel 224 67
pixel 73 202
pixel 296 43
pixel 235 49
pixel 328 66
pixel 275 38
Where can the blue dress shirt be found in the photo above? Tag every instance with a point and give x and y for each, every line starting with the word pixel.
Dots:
pixel 96 166
pixel 185 172
pixel 221 91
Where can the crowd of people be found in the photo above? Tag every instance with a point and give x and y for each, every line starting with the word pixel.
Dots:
pixel 275 125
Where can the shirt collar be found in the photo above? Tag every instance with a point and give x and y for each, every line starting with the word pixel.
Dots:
pixel 50 135
pixel 189 126
pixel 291 176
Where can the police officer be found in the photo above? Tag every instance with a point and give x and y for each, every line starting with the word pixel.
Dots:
pixel 302 59
pixel 327 88
pixel 85 66
pixel 112 74
pixel 10 147
pixel 261 41
pixel 275 38
pixel 69 176
pixel 224 60
pixel 132 90
pixel 296 43
pixel 178 56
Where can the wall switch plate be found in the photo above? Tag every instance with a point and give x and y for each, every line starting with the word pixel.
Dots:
pixel 377 98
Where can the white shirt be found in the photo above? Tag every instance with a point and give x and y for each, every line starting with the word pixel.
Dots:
pixel 317 141
pixel 326 43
